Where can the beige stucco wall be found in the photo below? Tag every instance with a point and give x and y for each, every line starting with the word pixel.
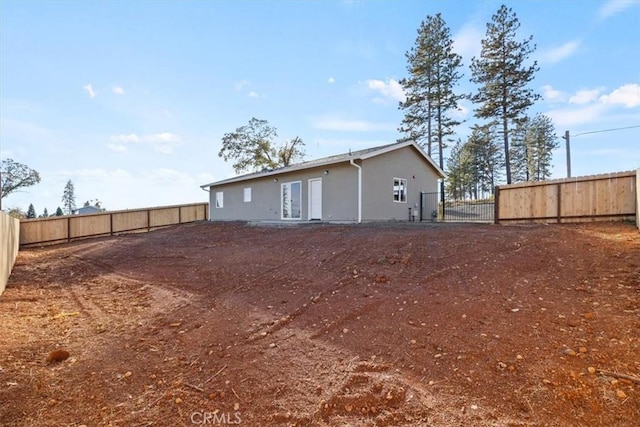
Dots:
pixel 9 243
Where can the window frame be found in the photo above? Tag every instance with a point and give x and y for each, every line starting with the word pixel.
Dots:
pixel 247 194
pixel 219 199
pixel 402 191
pixel 289 184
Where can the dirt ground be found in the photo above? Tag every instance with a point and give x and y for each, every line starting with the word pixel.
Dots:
pixel 327 325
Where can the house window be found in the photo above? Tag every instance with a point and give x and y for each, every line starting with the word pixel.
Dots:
pixel 400 190
pixel 247 194
pixel 219 199
pixel 291 200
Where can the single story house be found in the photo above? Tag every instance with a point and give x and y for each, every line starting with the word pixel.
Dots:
pixel 376 184
pixel 88 210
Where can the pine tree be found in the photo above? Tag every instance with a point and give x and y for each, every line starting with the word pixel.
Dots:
pixel 541 141
pixel 531 152
pixel 503 76
pixel 458 176
pixel 69 198
pixel 519 152
pixel 31 212
pixel 433 69
pixel 59 211
pixel 45 213
pixel 488 158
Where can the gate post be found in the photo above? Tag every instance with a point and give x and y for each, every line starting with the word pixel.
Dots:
pixel 496 205
pixel 421 204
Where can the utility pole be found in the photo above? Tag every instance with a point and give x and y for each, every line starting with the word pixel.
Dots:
pixel 566 138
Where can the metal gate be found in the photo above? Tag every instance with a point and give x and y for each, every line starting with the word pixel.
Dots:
pixel 434 208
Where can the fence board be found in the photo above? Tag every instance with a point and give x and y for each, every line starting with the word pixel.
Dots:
pixel 9 242
pixel 126 221
pixel 64 228
pixel 589 198
pixel 89 225
pixel 166 216
pixel 41 230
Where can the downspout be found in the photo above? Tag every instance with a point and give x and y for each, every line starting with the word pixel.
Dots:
pixel 359 189
pixel 208 191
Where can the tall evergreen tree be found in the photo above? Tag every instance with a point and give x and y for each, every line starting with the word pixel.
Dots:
pixel 59 211
pixel 45 213
pixel 488 158
pixel 541 141
pixel 459 171
pixel 434 71
pixel 531 152
pixel 69 198
pixel 31 212
pixel 519 152
pixel 503 76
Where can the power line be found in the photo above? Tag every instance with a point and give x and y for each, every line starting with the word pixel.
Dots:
pixel 605 130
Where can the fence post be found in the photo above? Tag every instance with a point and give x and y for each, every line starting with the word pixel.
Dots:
pixel 638 198
pixel 111 224
pixel 559 197
pixel 148 219
pixel 421 205
pixel 496 205
pixel 68 229
pixel 179 214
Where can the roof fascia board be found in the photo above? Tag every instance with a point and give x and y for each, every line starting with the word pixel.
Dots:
pixel 303 166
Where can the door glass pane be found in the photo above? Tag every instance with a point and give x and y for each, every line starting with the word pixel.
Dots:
pixel 295 200
pixel 291 200
pixel 286 201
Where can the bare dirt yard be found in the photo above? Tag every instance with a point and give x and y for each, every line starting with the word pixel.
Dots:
pixel 327 325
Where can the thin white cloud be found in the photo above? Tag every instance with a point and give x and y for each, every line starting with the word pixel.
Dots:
pixel 89 89
pixel 163 137
pixel 614 7
pixel 241 84
pixel 96 173
pixel 567 118
pixel 466 42
pixel 331 80
pixel 560 53
pixel 585 96
pixel 390 89
pixel 163 143
pixel 464 109
pixel 118 90
pixel 551 94
pixel 125 138
pixel 118 148
pixel 626 95
pixel 253 94
pixel 335 123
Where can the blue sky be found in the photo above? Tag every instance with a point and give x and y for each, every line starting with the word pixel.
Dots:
pixel 130 100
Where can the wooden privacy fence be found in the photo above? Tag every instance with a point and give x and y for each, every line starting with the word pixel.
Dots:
pixel 66 228
pixel 9 231
pixel 589 198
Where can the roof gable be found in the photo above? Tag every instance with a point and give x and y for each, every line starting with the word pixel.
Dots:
pixel 339 158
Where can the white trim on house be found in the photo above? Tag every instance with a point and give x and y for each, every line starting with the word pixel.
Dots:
pixel 402 190
pixel 291 201
pixel 312 204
